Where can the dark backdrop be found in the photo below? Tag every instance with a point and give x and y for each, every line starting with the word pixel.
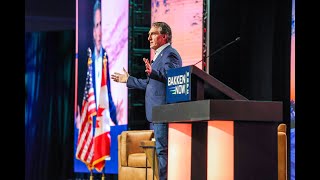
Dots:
pixel 49 102
pixel 49 15
pixel 49 87
pixel 257 66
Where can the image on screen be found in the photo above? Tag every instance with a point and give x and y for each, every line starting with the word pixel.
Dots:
pixel 292 96
pixel 101 105
pixel 185 20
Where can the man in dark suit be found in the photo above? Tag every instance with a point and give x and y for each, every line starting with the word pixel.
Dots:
pixel 97 62
pixel 166 57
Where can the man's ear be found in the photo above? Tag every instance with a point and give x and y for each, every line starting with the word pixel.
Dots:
pixel 164 36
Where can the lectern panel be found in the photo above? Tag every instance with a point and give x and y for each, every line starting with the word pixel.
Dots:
pixel 220 150
pixel 179 152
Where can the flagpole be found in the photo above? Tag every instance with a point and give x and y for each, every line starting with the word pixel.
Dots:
pixel 103 178
pixel 91 175
pixel 104 69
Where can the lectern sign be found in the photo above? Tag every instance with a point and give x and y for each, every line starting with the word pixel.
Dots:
pixel 179 84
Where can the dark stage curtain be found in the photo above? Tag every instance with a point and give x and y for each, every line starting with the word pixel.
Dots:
pixel 49 102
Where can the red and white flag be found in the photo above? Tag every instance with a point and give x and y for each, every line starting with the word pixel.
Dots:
pixel 102 138
pixel 85 145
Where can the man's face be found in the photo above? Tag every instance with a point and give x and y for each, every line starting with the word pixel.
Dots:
pixel 97 29
pixel 156 39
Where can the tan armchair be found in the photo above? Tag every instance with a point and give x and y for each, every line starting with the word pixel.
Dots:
pixel 282 152
pixel 131 157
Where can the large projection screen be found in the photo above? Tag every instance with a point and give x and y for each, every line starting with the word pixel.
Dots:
pixel 114 40
pixel 186 21
pixel 292 97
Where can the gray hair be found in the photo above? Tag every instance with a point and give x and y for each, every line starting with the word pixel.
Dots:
pixel 164 29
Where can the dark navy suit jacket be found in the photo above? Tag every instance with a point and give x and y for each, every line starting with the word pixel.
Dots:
pixel 155 84
pixel 112 107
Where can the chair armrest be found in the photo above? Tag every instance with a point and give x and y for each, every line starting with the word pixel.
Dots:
pixel 129 143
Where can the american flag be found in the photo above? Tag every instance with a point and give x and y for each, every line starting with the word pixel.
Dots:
pixel 85 146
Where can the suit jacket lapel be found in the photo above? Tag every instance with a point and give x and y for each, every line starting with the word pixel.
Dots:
pixel 159 57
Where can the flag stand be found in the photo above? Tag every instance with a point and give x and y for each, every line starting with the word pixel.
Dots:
pixel 91 175
pixel 102 177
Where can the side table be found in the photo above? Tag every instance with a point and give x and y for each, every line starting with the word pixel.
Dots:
pixel 151 157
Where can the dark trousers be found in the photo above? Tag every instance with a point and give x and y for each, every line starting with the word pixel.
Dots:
pixel 161 137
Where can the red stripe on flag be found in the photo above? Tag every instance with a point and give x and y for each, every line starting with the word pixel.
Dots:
pixel 85 146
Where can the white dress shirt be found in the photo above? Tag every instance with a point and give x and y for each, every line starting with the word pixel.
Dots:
pixel 158 51
pixel 98 74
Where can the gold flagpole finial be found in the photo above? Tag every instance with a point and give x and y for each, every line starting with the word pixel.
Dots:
pixel 105 62
pixel 89 54
pixel 105 57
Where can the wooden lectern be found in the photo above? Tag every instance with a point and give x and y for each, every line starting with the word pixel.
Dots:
pixel 226 137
